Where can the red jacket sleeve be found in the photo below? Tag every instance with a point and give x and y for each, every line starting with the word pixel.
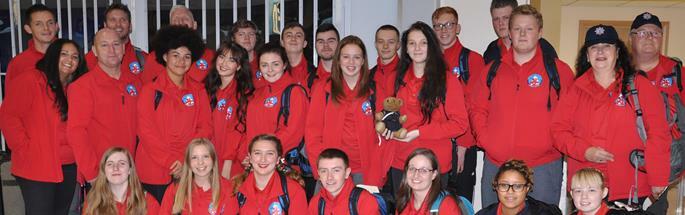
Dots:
pixel 292 134
pixel 367 204
pixel 168 200
pixel 152 204
pixel 457 119
pixel 298 199
pixel 657 152
pixel 148 132
pixel 204 125
pixel 478 102
pixel 314 126
pixel 562 127
pixel 17 105
pixel 81 110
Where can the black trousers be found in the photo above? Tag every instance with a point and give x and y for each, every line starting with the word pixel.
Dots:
pixel 465 181
pixel 156 190
pixel 49 198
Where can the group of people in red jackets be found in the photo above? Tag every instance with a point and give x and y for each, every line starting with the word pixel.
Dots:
pixel 191 130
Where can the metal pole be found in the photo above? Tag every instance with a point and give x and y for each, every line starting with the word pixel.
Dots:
pixel 95 17
pixel 267 31
pixel 158 14
pixel 249 9
pixel 19 27
pixel 217 21
pixel 204 19
pixel 300 15
pixel 59 16
pixel 315 23
pixel 14 42
pixel 235 11
pixel 282 16
pixel 85 26
pixel 71 33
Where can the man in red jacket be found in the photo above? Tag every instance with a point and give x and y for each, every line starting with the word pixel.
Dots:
pixel 334 175
pixel 102 106
pixel 446 27
pixel 327 38
pixel 180 15
pixel 293 40
pixel 41 24
pixel 511 113
pixel 387 44
pixel 118 19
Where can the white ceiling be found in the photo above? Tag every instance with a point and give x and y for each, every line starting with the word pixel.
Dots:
pixel 626 3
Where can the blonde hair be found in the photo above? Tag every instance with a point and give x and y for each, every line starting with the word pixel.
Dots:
pixel 184 189
pixel 586 177
pixel 101 200
pixel 527 10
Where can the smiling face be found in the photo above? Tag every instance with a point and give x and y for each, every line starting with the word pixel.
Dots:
pixel 420 174
pixel 525 33
pixel 293 40
pixel 117 168
pixel 387 44
pixel 602 56
pixel 68 59
pixel 263 157
pixel 326 42
pixel 226 64
pixel 351 60
pixel 332 174
pixel 511 197
pixel 108 48
pixel 588 198
pixel 647 39
pixel 446 28
pixel 117 20
pixel 417 46
pixel 201 161
pixel 43 27
pixel 178 61
pixel 246 38
pixel 272 66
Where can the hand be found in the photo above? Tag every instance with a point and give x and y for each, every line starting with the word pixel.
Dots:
pixel 598 155
pixel 411 135
pixel 226 171
pixel 657 191
pixel 387 134
pixel 175 169
pixel 461 153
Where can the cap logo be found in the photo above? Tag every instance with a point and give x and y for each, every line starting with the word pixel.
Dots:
pixel 647 16
pixel 599 31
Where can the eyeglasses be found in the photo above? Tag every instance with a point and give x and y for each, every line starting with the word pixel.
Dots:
pixel 448 26
pixel 506 187
pixel 421 172
pixel 646 34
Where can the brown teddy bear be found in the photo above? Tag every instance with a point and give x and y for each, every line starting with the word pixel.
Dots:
pixel 391 119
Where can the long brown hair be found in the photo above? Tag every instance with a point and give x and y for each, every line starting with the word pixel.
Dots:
pixel 337 79
pixel 238 180
pixel 185 185
pixel 404 193
pixel 101 200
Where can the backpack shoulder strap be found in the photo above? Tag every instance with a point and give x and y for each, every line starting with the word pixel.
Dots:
pixel 158 98
pixel 241 199
pixel 284 199
pixel 311 77
pixel 284 110
pixel 553 75
pixel 492 52
pixel 435 207
pixel 322 206
pixel 140 57
pixel 464 64
pixel 638 111
pixel 354 200
pixel 492 72
pixel 677 70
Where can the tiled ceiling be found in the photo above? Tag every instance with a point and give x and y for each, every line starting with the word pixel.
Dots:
pixel 626 3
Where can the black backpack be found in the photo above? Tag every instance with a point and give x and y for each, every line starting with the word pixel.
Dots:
pixel 354 201
pixel 297 155
pixel 463 65
pixel 493 50
pixel 284 199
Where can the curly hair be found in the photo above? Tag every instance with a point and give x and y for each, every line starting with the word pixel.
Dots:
pixel 623 63
pixel 175 36
pixel 517 166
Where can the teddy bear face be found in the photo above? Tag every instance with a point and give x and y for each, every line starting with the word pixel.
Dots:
pixel 392 104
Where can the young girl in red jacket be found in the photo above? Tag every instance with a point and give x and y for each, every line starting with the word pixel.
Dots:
pixel 172 110
pixel 33 119
pixel 421 186
pixel 200 189
pixel 433 103
pixel 344 116
pixel 229 86
pixel 268 186
pixel 594 124
pixel 263 108
pixel 117 189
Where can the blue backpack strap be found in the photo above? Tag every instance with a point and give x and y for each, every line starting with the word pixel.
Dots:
pixel 284 110
pixel 241 199
pixel 354 200
pixel 284 199
pixel 492 72
pixel 322 206
pixel 435 207
pixel 464 64
pixel 466 206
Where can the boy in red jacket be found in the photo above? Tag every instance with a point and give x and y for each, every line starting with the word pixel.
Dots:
pixel 387 44
pixel 293 40
pixel 511 114
pixel 334 175
pixel 41 24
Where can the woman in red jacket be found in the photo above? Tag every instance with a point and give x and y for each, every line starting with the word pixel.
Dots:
pixel 345 115
pixel 594 124
pixel 268 186
pixel 200 190
pixel 172 110
pixel 33 119
pixel 433 103
pixel 229 86
pixel 420 186
pixel 117 189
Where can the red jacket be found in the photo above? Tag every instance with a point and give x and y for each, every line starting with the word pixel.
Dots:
pixel 257 77
pixel 34 131
pixel 322 76
pixel 201 200
pixel 448 120
pixel 662 76
pixel 448 206
pixel 151 204
pixel 349 126
pixel 24 61
pixel 475 66
pixel 183 114
pixel 102 114
pixel 225 137
pixel 266 201
pixel 198 70
pixel 262 113
pixel 511 119
pixel 589 115
pixel 300 72
pixel 366 203
pixel 129 64
pixel 385 71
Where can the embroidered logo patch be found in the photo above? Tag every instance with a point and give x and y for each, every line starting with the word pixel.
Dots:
pixel 229 112
pixel 258 75
pixel 188 100
pixel 599 31
pixel 131 90
pixel 534 80
pixel 220 105
pixel 620 101
pixel 275 208
pixel 456 71
pixel 666 82
pixel 647 16
pixel 134 67
pixel 366 108
pixel 270 102
pixel 201 64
